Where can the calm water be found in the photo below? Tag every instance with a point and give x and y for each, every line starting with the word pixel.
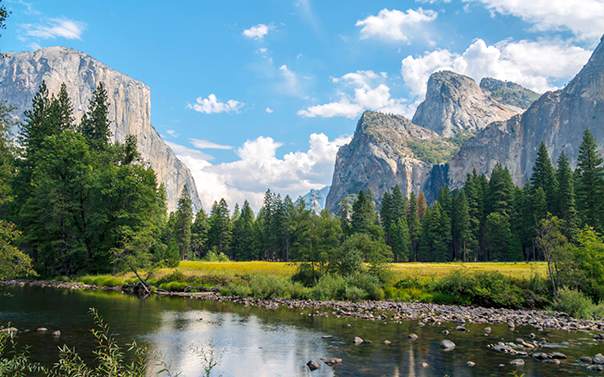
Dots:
pixel 255 342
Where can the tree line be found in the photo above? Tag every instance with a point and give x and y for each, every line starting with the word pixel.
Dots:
pixel 84 204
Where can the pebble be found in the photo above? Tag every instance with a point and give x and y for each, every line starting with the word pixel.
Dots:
pixel 517 362
pixel 586 359
pixel 446 332
pixel 487 330
pixel 56 333
pixel 413 336
pixel 313 365
pixel 558 356
pixel 552 361
pixel 331 361
pixel 598 359
pixel 447 345
pixel 425 364
pixel 387 342
pixel 358 340
pixel 460 328
pixel 41 329
pixel 471 364
pixel 9 330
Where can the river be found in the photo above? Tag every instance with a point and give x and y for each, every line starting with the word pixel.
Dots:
pixel 256 342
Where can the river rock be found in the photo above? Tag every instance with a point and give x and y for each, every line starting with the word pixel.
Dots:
pixel 599 337
pixel 313 365
pixel 586 359
pixel 331 361
pixel 387 342
pixel 598 359
pixel 487 330
pixel 446 332
pixel 471 364
pixel 447 345
pixel 517 362
pixel 596 368
pixel 461 328
pixel 9 330
pixel 425 364
pixel 41 329
pixel 558 356
pixel 552 361
pixel 540 356
pixel 413 336
pixel 358 340
pixel 56 333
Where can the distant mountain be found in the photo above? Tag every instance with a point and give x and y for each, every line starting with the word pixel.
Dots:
pixel 557 119
pixel 508 93
pixel 130 105
pixel 456 106
pixel 315 199
pixel 386 150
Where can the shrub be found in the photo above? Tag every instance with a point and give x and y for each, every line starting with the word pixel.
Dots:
pixel 216 256
pixel 575 304
pixel 307 274
pixel 368 283
pixel 490 289
pixel 354 294
pixel 329 287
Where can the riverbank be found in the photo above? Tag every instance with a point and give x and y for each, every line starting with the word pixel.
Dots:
pixel 386 311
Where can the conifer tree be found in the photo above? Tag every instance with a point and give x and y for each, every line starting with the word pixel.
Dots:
pixel 544 176
pixel 364 219
pixel 219 233
pixel 436 235
pixel 183 223
pixel 199 234
pixel 566 198
pixel 413 223
pixel 95 125
pixel 242 245
pixel 463 243
pixel 590 186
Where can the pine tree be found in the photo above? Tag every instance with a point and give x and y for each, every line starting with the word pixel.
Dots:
pixel 63 110
pixel 422 206
pixel 463 243
pixel 364 219
pixel 474 191
pixel 199 234
pixel 544 176
pixel 590 186
pixel 183 223
pixel 566 198
pixel 95 124
pixel 413 223
pixel 242 245
pixel 130 151
pixel 436 236
pixel 500 191
pixel 219 233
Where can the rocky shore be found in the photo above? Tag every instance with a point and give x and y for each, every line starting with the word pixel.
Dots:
pixel 387 311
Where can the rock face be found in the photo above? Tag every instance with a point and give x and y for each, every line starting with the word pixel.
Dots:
pixel 315 199
pixel 557 119
pixel 508 93
pixel 130 105
pixel 386 150
pixel 456 105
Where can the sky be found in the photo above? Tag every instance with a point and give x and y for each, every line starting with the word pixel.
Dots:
pixel 261 94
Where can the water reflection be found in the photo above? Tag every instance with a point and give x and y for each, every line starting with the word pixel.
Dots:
pixel 252 342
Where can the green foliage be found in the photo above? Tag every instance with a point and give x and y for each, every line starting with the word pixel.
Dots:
pixel 13 262
pixel 14 362
pixel 434 151
pixel 219 232
pixel 199 234
pixel 215 255
pixel 490 289
pixel 590 183
pixel 575 304
pixel 183 220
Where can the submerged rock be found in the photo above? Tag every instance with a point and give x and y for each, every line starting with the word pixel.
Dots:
pixel 413 336
pixel 331 361
pixel 517 362
pixel 447 345
pixel 358 340
pixel 313 365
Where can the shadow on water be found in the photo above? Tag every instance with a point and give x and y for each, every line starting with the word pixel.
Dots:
pixel 257 342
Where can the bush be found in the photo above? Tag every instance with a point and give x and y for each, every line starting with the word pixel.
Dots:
pixel 368 283
pixel 575 304
pixel 329 287
pixel 307 274
pixel 355 294
pixel 491 289
pixel 216 256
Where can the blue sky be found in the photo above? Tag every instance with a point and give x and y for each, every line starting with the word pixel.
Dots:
pixel 258 94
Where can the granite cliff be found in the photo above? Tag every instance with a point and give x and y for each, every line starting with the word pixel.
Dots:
pixel 130 105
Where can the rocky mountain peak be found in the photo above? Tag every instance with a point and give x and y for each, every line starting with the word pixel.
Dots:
pixel 508 93
pixel 129 104
pixel 455 104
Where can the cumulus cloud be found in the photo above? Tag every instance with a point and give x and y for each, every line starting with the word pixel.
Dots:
pixel 585 18
pixel 211 105
pixel 269 110
pixel 539 65
pixel 256 32
pixel 55 28
pixel 258 167
pixel 395 25
pixel 358 91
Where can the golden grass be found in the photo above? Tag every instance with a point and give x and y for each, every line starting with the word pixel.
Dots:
pixel 521 270
pixel 402 270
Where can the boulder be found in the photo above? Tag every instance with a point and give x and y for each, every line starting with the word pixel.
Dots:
pixel 598 359
pixel 447 345
pixel 313 365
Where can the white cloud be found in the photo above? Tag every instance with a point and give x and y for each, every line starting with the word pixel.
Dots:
pixel 359 91
pixel 211 105
pixel 172 133
pixel 585 18
pixel 395 25
pixel 539 65
pixel 258 167
pixel 290 82
pixel 256 32
pixel 55 28
pixel 269 110
pixel 207 144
